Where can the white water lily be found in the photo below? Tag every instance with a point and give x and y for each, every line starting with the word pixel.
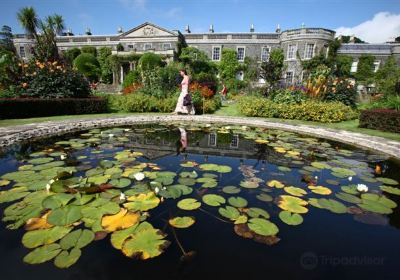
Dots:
pixel 164 188
pixel 362 188
pixel 316 177
pixel 47 188
pixel 208 125
pixel 156 190
pixel 51 181
pixel 350 178
pixel 110 135
pixel 127 129
pixel 122 196
pixel 62 157
pixel 139 176
pixel 244 127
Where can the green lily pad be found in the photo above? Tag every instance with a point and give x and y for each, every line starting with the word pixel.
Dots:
pixel 289 218
pixel 343 172
pixel 65 215
pixel 284 169
pixel 165 180
pixel 192 175
pixel 77 239
pixel 292 204
pixel 237 201
pixel 295 191
pixel 391 190
pixel 142 202
pixel 57 200
pixel 13 194
pixel 181 222
pixel 229 212
pixel 332 205
pixel 320 165
pixel 377 203
pixel 210 175
pixel 146 242
pixel 211 184
pixel 4 183
pixel 40 160
pixel 350 189
pixel 320 190
pixel 189 164
pixel 205 180
pixel 242 219
pixel 215 167
pixel 348 197
pixel 333 182
pixel 121 183
pixel 66 259
pixel 231 190
pixel 275 184
pixel 99 179
pixel 264 197
pixel 187 181
pixel 387 181
pixel 188 204
pixel 42 254
pixel 248 184
pixel 36 238
pixel 257 212
pixel 213 199
pixel 262 226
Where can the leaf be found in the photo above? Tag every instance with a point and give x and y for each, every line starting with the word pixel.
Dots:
pixel 38 223
pixel 231 190
pixel 284 169
pixel 118 237
pixel 295 191
pixel 187 181
pixel 211 184
pixel 262 226
pixel 320 190
pixel 181 222
pixel 120 183
pixel 40 160
pixel 65 215
pixel 244 231
pixel 122 220
pixel 348 197
pixel 99 179
pixel 65 259
pixel 142 202
pixel 351 189
pixel 189 204
pixel 264 197
pixel 320 165
pixel 213 199
pixel 229 212
pixel 185 174
pixel 13 194
pixel 377 203
pixel 189 164
pixel 77 239
pixel 237 201
pixel 292 204
pixel 289 218
pixel 275 183
pixel 342 172
pixel 4 183
pixel 36 238
pixel 146 242
pixel 332 205
pixel 257 212
pixel 387 181
pixel 215 167
pixel 248 184
pixel 242 219
pixel 42 254
pixel 57 200
pixel 391 190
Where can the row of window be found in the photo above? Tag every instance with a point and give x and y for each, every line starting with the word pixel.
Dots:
pixel 212 140
pixel 149 46
pixel 241 53
pixel 354 66
pixel 308 51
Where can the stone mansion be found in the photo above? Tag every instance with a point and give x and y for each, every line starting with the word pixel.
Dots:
pixel 302 43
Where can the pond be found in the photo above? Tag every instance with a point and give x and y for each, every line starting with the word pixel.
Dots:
pixel 184 201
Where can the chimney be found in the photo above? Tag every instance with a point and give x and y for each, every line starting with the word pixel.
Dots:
pixel 120 30
pixel 187 29
pixel 211 30
pixel 252 28
pixel 87 32
pixel 303 25
pixel 278 29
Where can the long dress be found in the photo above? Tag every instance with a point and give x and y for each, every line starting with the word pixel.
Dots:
pixel 180 108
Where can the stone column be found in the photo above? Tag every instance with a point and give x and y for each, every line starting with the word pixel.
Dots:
pixel 122 74
pixel 131 66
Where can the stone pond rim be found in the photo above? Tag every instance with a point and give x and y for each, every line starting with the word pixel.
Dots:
pixel 15 134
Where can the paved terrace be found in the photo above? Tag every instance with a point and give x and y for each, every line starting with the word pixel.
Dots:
pixel 15 134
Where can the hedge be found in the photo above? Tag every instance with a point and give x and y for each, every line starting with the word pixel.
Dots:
pixel 13 108
pixel 309 110
pixel 381 119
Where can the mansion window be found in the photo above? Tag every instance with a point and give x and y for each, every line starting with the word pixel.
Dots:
pixel 264 54
pixel 130 47
pixel 289 78
pixel 240 53
pixel 216 53
pixel 235 141
pixel 291 53
pixel 376 65
pixel 353 68
pixel 166 46
pixel 22 51
pixel 147 46
pixel 212 139
pixel 309 51
pixel 304 76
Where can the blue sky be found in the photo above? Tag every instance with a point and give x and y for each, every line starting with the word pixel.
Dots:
pixel 377 20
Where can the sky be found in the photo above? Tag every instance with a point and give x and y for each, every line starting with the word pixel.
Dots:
pixel 374 21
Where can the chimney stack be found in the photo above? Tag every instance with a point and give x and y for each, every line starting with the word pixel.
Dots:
pixel 211 30
pixel 252 28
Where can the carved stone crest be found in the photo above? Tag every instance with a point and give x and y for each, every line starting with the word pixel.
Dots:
pixel 149 31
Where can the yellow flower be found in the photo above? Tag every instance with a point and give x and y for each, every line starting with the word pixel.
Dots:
pixel 41 65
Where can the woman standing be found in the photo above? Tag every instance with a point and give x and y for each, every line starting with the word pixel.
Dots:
pixel 185 104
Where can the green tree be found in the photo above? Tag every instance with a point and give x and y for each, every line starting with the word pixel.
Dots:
pixel 388 77
pixel 89 49
pixel 343 66
pixel 271 71
pixel 88 65
pixel 229 65
pixel 6 41
pixel 103 56
pixel 197 61
pixel 149 61
pixel 346 39
pixel 365 68
pixel 71 54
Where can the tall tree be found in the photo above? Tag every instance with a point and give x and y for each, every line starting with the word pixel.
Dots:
pixel 6 36
pixel 28 19
pixel 271 71
pixel 365 68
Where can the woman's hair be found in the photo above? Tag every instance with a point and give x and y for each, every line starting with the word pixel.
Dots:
pixel 184 71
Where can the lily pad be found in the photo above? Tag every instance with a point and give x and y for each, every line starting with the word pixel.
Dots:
pixel 231 190
pixel 377 203
pixel 142 202
pixel 342 172
pixel 181 222
pixel 320 190
pixel 36 238
pixel 275 184
pixel 189 164
pixel 348 197
pixel 332 205
pixel 187 181
pixel 65 215
pixel 122 220
pixel 292 204
pixel 65 259
pixel 188 204
pixel 295 191
pixel 387 181
pixel 289 218
pixel 264 197
pixel 262 226
pixel 13 194
pixel 351 189
pixel 42 254
pixel 4 183
pixel 120 183
pixel 213 199
pixel 320 165
pixel 237 201
pixel 257 212
pixel 248 184
pixel 391 190
pixel 192 175
pixel 77 239
pixel 40 160
pixel 211 184
pixel 229 212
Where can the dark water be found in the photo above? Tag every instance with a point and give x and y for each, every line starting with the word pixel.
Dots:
pixel 325 246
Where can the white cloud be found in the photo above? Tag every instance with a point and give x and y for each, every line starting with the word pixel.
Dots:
pixel 383 27
pixel 173 12
pixel 134 4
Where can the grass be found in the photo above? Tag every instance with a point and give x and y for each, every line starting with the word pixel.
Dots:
pixel 228 109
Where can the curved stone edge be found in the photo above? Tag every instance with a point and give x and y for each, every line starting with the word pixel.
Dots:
pixel 13 135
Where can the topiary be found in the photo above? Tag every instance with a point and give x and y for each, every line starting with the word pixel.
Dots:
pixel 88 65
pixel 149 61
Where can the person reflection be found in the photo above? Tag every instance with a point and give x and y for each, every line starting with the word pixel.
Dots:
pixel 182 143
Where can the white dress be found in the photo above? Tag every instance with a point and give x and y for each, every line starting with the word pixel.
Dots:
pixel 180 108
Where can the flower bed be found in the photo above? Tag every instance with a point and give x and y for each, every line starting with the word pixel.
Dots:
pixel 381 119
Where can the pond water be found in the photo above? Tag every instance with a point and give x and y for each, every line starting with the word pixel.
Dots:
pixel 197 202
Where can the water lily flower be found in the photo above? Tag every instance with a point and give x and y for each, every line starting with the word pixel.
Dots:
pixel 316 177
pixel 62 157
pixel 127 129
pixel 51 181
pixel 110 135
pixel 156 190
pixel 122 196
pixel 164 188
pixel 350 178
pixel 362 188
pixel 139 176
pixel 47 188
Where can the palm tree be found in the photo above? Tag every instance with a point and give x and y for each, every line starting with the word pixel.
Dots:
pixel 58 24
pixel 28 19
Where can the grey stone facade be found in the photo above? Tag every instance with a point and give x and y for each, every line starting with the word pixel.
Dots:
pixel 297 44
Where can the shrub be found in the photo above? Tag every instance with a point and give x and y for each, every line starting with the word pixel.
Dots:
pixel 50 80
pixel 341 91
pixel 386 102
pixel 103 57
pixel 89 49
pixel 132 88
pixel 202 90
pixel 205 105
pixel 131 78
pixel 88 65
pixel 206 79
pixel 35 107
pixel 309 110
pixel 288 96
pixel 71 54
pixel 169 77
pixel 381 119
pixel 149 61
